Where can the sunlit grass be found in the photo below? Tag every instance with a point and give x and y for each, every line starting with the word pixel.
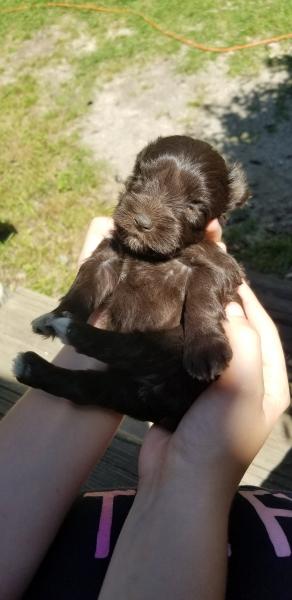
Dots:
pixel 49 184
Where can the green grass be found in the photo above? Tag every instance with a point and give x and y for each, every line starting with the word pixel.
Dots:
pixel 50 187
pixel 211 23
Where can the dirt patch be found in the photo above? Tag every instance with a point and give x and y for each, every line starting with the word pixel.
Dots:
pixel 247 118
pixel 43 46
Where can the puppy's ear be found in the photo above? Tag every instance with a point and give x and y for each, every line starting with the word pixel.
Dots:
pixel 239 191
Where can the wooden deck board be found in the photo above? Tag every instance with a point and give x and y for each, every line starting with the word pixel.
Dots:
pixel 118 468
pixel 276 296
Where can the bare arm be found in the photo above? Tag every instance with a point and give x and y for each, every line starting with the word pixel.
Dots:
pixel 174 542
pixel 47 449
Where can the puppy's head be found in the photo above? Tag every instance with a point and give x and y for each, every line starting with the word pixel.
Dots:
pixel 177 186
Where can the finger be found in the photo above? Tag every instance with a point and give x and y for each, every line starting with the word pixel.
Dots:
pixel 231 407
pixel 243 382
pixel 98 229
pixel 233 309
pixel 245 370
pixel 277 396
pixel 102 226
pixel 254 311
pixel 213 231
pixel 222 246
pixel 99 318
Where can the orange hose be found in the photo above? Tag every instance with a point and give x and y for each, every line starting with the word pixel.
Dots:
pixel 153 24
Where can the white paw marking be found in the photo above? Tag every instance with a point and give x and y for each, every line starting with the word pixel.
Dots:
pixel 19 367
pixel 60 326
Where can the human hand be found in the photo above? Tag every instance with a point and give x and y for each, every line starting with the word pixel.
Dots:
pixel 177 527
pixel 227 425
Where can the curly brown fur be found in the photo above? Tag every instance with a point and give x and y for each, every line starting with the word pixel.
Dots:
pixel 163 287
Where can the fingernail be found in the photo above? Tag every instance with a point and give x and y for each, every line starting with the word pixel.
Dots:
pixel 233 309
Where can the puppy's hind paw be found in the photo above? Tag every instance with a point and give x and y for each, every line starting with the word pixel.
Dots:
pixel 31 369
pixel 21 367
pixel 207 358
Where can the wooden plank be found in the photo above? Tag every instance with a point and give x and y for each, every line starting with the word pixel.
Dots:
pixel 8 397
pixel 276 296
pixel 118 468
pixel 272 465
pixel 16 315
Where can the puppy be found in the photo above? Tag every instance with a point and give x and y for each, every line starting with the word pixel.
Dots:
pixel 162 285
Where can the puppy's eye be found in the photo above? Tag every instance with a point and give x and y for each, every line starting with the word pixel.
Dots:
pixel 137 187
pixel 128 204
pixel 193 214
pixel 191 211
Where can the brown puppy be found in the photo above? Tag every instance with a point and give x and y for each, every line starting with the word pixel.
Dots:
pixel 164 289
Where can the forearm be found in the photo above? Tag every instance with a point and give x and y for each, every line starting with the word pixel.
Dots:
pixel 47 448
pixel 172 546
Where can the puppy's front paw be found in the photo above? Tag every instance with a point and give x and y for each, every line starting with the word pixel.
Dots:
pixel 28 368
pixel 205 358
pixel 43 324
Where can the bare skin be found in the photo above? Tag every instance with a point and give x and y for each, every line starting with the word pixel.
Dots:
pixel 174 542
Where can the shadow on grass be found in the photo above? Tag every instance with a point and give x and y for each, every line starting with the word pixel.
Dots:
pixel 257 131
pixel 6 231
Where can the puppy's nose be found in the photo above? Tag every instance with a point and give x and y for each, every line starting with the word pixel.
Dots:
pixel 143 221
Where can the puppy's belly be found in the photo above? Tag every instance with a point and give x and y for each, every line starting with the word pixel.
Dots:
pixel 150 301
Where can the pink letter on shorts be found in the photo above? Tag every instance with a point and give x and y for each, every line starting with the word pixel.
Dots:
pixel 268 518
pixel 106 516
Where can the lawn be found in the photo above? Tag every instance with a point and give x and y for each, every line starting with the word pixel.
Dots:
pixel 50 185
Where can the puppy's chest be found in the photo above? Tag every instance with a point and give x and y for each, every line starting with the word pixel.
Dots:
pixel 148 296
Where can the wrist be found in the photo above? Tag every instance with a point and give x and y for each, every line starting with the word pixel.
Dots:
pixel 185 462
pixel 182 481
pixel 172 527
